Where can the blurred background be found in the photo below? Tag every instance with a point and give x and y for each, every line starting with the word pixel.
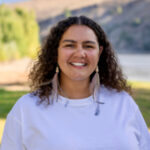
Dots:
pixel 24 24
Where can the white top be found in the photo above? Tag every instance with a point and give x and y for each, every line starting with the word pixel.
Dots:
pixel 71 124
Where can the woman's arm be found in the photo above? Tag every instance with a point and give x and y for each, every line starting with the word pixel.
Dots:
pixel 144 133
pixel 12 136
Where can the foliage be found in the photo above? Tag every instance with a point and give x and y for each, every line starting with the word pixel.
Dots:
pixel 119 10
pixel 136 22
pixel 125 37
pixel 67 13
pixel 146 41
pixel 19 33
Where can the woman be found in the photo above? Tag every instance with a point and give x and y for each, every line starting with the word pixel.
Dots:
pixel 69 109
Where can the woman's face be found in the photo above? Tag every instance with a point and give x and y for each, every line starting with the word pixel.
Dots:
pixel 78 53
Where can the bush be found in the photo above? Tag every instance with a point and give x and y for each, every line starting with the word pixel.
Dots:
pixel 126 37
pixel 67 13
pixel 136 22
pixel 19 33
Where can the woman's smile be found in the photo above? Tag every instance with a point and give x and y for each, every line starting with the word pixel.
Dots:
pixel 78 65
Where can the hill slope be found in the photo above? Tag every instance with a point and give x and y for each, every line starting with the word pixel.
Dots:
pixel 126 22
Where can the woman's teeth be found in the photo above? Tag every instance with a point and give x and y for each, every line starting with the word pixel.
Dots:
pixel 78 64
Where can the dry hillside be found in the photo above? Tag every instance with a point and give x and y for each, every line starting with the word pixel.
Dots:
pixel 126 22
pixel 49 8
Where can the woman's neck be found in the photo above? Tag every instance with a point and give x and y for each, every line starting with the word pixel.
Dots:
pixel 74 89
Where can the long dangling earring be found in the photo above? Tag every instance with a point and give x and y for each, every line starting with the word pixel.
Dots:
pixel 55 85
pixel 95 85
pixel 96 90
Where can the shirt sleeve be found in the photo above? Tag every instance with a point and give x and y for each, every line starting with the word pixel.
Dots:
pixel 144 133
pixel 12 137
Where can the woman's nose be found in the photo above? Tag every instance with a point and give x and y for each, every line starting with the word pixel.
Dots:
pixel 80 52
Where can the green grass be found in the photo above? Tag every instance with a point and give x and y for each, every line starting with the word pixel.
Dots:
pixel 142 98
pixel 7 100
pixel 141 94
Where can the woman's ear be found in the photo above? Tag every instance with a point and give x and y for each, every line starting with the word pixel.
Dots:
pixel 100 50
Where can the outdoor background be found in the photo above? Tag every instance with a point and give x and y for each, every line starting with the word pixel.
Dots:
pixel 25 24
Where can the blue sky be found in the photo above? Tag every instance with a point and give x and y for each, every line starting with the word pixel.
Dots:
pixel 10 1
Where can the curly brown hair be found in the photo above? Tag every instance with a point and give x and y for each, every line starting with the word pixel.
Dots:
pixel 44 68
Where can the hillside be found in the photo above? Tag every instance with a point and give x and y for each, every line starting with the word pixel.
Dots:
pixel 50 8
pixel 126 22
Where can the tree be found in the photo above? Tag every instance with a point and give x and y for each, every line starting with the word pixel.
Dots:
pixel 19 33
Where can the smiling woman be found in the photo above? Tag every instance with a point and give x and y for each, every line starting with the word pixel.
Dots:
pixel 78 55
pixel 88 106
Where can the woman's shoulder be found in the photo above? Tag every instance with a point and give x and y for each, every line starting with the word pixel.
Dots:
pixel 26 101
pixel 117 97
pixel 113 92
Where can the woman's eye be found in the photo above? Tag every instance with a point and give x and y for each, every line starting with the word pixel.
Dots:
pixel 89 46
pixel 69 45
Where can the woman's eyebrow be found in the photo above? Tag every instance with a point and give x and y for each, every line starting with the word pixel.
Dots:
pixel 72 41
pixel 84 42
pixel 89 42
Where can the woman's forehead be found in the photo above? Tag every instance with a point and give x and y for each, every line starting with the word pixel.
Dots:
pixel 79 32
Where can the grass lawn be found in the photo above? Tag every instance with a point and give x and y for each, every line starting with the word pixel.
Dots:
pixel 7 100
pixel 141 95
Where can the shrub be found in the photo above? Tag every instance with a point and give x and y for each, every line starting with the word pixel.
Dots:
pixel 19 33
pixel 126 37
pixel 136 22
pixel 67 13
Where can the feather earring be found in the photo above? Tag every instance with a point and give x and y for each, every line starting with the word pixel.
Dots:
pixel 55 85
pixel 95 85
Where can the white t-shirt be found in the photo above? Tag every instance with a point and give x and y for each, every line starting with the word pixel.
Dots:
pixel 71 124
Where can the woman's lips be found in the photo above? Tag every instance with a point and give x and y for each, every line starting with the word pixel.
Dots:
pixel 78 64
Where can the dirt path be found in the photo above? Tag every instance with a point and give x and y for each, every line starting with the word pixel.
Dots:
pixel 13 74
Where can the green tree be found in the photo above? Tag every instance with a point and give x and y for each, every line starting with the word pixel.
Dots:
pixel 19 33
